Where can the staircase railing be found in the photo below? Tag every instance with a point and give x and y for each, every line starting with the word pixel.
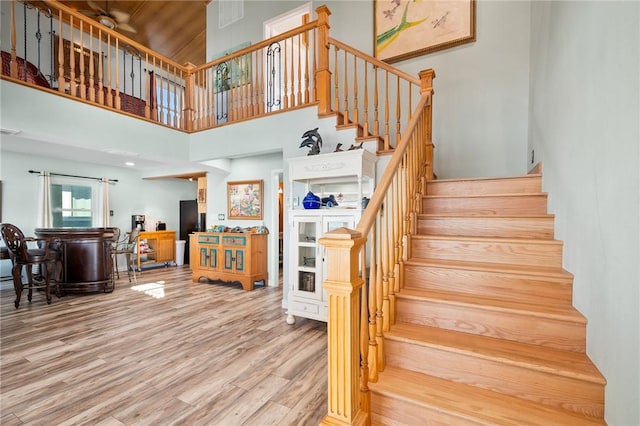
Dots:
pixel 361 291
pixel 370 94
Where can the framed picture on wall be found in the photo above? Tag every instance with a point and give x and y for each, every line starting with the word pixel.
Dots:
pixel 244 199
pixel 405 29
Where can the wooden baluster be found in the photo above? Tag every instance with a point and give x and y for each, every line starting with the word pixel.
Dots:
pixel 109 93
pixel 292 60
pixel 285 97
pixel 386 110
pixel 168 105
pixel 245 85
pixel 161 105
pixel 203 100
pixel 299 77
pixel 61 81
pixel 72 61
pixel 92 87
pixel 261 105
pixel 376 121
pixel 365 102
pixel 154 104
pixel 100 76
pixel 345 113
pixel 365 395
pixel 386 312
pixel 395 267
pixel 254 84
pixel 323 74
pixel 355 89
pixel 344 403
pixel 314 74
pixel 373 344
pixel 379 294
pixel 336 89
pixel 306 67
pixel 117 95
pixel 14 56
pixel 148 94
pixel 83 88
pixel 175 121
pixel 212 95
pixel 398 111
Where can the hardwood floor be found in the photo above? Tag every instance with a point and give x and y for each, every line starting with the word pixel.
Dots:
pixel 168 351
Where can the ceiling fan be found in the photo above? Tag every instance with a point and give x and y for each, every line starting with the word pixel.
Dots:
pixel 110 18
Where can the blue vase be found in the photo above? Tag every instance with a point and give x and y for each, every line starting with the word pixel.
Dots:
pixel 311 201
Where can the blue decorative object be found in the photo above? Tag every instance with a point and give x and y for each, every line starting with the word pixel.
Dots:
pixel 329 201
pixel 311 201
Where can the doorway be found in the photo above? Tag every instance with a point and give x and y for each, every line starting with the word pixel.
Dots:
pixel 279 56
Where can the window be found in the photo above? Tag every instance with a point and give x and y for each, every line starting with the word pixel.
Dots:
pixel 71 205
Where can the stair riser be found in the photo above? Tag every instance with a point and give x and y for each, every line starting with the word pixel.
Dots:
pixel 488 227
pixel 516 185
pixel 509 325
pixel 386 410
pixel 537 386
pixel 490 284
pixel 488 205
pixel 510 252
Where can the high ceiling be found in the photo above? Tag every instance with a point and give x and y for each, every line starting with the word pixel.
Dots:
pixel 175 29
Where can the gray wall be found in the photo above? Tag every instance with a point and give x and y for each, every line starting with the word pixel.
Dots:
pixel 585 128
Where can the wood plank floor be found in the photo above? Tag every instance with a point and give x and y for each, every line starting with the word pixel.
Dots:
pixel 174 352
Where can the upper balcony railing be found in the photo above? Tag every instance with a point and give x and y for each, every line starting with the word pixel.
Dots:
pixel 62 51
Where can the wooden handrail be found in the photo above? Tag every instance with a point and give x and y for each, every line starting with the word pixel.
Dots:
pixel 54 5
pixel 374 61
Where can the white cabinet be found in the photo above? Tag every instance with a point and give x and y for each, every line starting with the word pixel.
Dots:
pixel 351 174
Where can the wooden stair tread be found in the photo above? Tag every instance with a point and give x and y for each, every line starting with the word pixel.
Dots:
pixel 525 270
pixel 471 403
pixel 537 241
pixel 483 216
pixel 570 364
pixel 499 195
pixel 481 179
pixel 562 313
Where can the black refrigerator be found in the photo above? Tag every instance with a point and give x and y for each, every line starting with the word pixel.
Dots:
pixel 190 221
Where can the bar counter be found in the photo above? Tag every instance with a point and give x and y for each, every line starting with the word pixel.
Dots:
pixel 86 258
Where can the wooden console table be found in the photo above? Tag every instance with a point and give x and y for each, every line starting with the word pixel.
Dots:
pixel 228 256
pixel 86 258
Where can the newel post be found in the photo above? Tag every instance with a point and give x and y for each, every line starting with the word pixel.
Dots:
pixel 343 328
pixel 189 99
pixel 426 87
pixel 323 75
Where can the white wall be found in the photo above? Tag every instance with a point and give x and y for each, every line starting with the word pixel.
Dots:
pixel 157 199
pixel 585 128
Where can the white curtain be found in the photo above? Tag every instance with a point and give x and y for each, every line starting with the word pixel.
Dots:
pixel 102 214
pixel 45 218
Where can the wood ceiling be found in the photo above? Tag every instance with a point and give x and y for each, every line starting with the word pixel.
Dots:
pixel 175 29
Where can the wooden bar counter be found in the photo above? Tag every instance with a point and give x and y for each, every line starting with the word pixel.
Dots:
pixel 86 258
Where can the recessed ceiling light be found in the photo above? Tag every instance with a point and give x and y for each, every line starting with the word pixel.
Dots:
pixel 130 163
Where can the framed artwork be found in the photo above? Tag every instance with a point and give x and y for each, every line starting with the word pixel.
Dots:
pixel 405 29
pixel 244 199
pixel 234 72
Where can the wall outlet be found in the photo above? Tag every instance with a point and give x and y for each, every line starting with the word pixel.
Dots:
pixel 220 216
pixel 110 212
pixel 533 155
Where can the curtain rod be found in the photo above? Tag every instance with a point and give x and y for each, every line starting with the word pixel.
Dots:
pixel 74 176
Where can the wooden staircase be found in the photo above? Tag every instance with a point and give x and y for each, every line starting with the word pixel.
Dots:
pixel 485 331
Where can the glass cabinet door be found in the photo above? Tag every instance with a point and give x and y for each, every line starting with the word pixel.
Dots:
pixel 305 253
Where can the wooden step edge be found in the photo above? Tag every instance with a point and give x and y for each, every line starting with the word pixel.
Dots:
pixel 464 401
pixel 574 365
pixel 498 195
pixel 522 271
pixel 484 216
pixel 501 240
pixel 546 311
pixel 489 178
